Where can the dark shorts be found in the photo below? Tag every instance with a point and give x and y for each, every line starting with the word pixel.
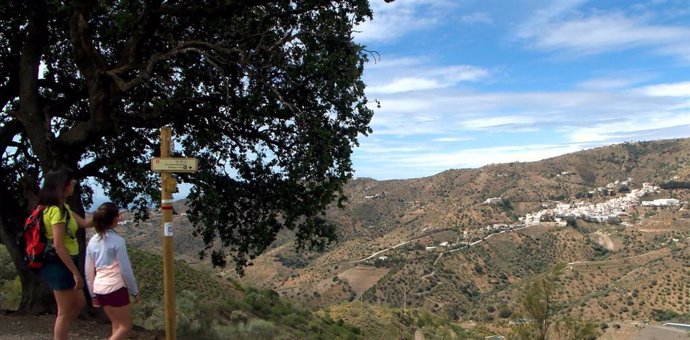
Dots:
pixel 57 274
pixel 117 298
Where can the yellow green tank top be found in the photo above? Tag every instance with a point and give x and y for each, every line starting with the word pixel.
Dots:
pixel 53 215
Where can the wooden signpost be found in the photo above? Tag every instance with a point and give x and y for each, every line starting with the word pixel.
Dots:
pixel 167 165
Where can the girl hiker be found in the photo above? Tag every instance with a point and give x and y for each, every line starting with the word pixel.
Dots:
pixel 108 271
pixel 60 271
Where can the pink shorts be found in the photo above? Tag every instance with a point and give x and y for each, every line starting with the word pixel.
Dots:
pixel 117 298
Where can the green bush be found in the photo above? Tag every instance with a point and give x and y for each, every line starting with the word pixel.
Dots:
pixel 505 313
pixel 663 315
pixel 10 293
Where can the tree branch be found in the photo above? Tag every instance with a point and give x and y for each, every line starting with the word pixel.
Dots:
pixel 87 59
pixel 93 168
pixel 146 23
pixel 200 47
pixel 92 66
pixel 7 133
pixel 193 9
pixel 30 108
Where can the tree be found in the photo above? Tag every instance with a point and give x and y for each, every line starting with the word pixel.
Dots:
pixel 267 94
pixel 538 305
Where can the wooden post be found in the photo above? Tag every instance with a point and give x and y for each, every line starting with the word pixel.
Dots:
pixel 168 257
pixel 167 165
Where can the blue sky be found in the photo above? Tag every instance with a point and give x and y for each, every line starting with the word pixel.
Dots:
pixel 467 83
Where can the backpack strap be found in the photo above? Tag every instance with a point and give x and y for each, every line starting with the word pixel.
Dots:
pixel 67 217
pixel 67 230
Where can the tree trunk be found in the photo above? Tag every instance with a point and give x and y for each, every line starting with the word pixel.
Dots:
pixel 36 297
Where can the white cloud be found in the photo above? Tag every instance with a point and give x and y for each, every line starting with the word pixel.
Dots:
pixel 483 156
pixel 568 30
pixel 630 127
pixel 431 114
pixel 451 112
pixel 404 75
pixel 681 89
pixel 405 85
pixel 387 62
pixel 493 122
pixel 476 18
pixel 408 165
pixel 613 82
pixel 452 139
pixel 394 20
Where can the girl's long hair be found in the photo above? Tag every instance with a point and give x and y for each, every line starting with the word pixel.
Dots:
pixel 54 184
pixel 104 216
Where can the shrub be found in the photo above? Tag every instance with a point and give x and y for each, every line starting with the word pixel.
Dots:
pixel 478 269
pixel 663 315
pixel 10 294
pixel 505 313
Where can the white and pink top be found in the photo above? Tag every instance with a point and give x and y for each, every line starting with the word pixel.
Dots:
pixel 107 265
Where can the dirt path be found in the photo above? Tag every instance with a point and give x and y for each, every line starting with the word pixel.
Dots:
pixel 650 332
pixel 383 251
pixel 29 327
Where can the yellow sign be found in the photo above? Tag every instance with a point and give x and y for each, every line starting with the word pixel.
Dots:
pixel 174 164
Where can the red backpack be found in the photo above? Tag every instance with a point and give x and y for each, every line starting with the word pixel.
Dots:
pixel 33 241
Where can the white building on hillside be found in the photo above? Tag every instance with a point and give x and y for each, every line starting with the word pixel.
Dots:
pixel 661 202
pixel 493 200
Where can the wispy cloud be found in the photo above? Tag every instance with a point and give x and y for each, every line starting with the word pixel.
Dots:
pixel 404 75
pixel 498 121
pixel 405 85
pixel 454 102
pixel 584 33
pixel 631 128
pixel 407 165
pixel 452 139
pixel 681 89
pixel 393 20
pixel 577 114
pixel 476 18
pixel 614 82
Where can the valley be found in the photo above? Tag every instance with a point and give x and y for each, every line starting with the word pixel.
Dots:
pixel 464 244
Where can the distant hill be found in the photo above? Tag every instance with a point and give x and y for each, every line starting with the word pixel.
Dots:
pixel 617 272
pixel 480 282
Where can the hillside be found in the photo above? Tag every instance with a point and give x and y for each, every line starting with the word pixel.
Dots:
pixel 211 306
pixel 398 219
pixel 634 268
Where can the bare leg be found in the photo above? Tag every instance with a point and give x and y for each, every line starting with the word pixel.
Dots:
pixel 70 302
pixel 121 317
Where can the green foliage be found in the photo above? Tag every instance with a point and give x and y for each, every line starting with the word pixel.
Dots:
pixel 10 293
pixel 675 185
pixel 600 252
pixel 663 314
pixel 207 309
pixel 267 95
pixel 7 270
pixel 292 260
pixel 537 304
pixel 505 204
pixel 10 285
pixel 478 269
